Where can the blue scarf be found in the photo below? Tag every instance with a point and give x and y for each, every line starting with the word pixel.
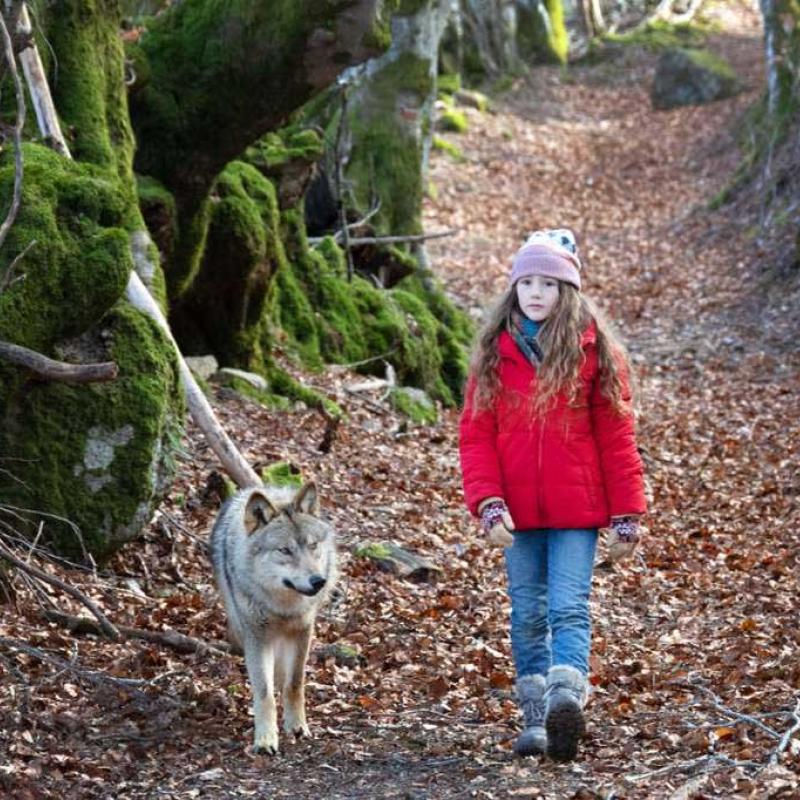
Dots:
pixel 525 332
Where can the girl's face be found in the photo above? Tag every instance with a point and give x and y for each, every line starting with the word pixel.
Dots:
pixel 537 296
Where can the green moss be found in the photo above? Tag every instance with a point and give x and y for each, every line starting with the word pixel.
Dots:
pixel 374 550
pixel 418 410
pixel 449 83
pixel 80 263
pixel 387 153
pixel 282 473
pixel 88 94
pixel 660 35
pixel 542 35
pixel 453 120
pixel 223 311
pixel 284 384
pixel 93 454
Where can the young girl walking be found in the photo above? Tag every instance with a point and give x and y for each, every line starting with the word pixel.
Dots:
pixel 549 456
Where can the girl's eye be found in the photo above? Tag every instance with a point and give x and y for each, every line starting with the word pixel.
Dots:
pixel 286 551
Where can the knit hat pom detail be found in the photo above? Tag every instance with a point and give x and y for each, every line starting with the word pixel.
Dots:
pixel 550 253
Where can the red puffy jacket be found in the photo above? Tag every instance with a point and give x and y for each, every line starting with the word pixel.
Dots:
pixel 575 468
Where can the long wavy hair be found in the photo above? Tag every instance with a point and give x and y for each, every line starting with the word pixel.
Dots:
pixel 560 341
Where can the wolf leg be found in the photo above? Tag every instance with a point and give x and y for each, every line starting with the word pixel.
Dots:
pixel 260 660
pixel 294 690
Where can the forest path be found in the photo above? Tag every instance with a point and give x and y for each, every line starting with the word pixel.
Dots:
pixel 700 627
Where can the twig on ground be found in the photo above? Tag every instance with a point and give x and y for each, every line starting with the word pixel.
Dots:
pixel 169 638
pixel 108 628
pixel 786 738
pixel 90 676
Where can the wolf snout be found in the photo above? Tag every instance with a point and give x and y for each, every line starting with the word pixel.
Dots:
pixel 315 583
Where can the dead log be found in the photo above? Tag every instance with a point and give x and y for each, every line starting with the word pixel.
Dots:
pixel 389 557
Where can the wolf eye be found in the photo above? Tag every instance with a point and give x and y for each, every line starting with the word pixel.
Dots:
pixel 312 545
pixel 287 551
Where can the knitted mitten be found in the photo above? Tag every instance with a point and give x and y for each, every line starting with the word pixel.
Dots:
pixel 565 697
pixel 496 522
pixel 530 694
pixel 624 535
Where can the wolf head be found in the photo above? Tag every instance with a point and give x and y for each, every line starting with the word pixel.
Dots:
pixel 290 546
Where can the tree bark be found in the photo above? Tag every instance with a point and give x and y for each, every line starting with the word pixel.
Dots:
pixel 219 80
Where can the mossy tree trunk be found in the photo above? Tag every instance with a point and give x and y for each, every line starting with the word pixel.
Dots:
pixel 100 456
pixel 390 118
pixel 782 48
pixel 542 33
pixel 213 77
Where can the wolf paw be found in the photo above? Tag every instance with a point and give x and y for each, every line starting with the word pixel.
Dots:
pixel 301 731
pixel 266 744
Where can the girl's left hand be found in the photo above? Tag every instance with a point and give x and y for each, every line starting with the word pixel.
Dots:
pixel 625 533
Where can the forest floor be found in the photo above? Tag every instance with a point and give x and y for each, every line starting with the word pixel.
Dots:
pixel 695 664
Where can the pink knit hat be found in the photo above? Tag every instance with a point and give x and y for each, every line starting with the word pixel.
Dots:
pixel 551 253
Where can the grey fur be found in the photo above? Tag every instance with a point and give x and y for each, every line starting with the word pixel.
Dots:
pixel 274 561
pixel 565 698
pixel 530 694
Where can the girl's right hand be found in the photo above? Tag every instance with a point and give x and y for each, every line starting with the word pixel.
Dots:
pixel 496 522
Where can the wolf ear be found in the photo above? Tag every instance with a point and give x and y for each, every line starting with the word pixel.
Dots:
pixel 306 500
pixel 259 511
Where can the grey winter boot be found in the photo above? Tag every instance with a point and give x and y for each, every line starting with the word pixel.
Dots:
pixel 530 694
pixel 565 697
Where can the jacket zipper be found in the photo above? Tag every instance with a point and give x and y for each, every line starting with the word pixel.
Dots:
pixel 539 476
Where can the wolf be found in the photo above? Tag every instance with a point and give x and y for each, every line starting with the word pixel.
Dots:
pixel 274 561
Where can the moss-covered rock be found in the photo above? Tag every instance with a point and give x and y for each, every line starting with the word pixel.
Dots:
pixel 282 473
pixel 415 404
pixel 452 120
pixel 687 76
pixel 79 265
pixel 96 456
pixel 222 311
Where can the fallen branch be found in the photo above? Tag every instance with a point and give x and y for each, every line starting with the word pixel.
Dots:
pixel 419 237
pixel 90 676
pixel 232 460
pixel 57 370
pixel 786 738
pixel 108 628
pixel 169 638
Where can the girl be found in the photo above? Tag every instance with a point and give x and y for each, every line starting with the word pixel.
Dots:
pixel 548 457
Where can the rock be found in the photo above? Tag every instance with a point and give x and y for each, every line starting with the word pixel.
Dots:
pixel 202 366
pixel 229 373
pixel 472 99
pixel 415 403
pixel 688 76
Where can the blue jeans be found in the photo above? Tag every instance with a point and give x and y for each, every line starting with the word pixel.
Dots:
pixel 549 579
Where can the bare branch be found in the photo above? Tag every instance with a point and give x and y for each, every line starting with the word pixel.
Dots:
pixel 786 738
pixel 39 89
pixel 8 49
pixel 57 370
pixel 6 280
pixel 420 237
pixel 337 155
pixel 169 638
pixel 108 628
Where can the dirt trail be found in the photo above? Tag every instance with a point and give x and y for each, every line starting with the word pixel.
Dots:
pixel 700 628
